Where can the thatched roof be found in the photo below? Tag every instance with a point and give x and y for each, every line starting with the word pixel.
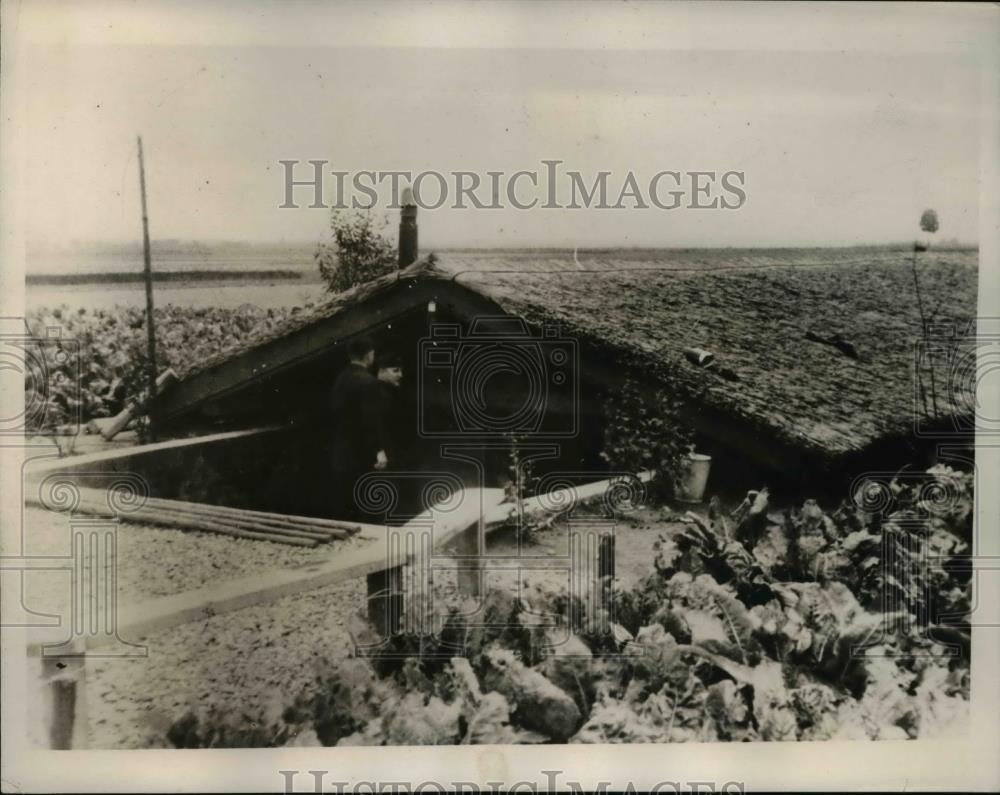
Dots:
pixel 752 311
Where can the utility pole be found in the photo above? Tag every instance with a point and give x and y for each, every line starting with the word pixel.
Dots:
pixel 148 272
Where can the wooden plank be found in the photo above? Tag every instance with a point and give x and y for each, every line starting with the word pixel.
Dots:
pixel 248 519
pixel 385 600
pixel 284 518
pixel 470 572
pixel 112 426
pixel 38 469
pixel 567 498
pixel 92 503
pixel 185 520
pixel 154 615
pixel 204 524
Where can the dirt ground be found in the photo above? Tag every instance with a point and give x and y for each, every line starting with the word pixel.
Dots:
pixel 235 661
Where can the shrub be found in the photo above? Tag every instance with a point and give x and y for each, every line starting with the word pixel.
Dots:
pixel 643 430
pixel 360 251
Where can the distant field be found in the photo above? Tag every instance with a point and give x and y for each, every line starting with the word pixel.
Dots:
pixel 223 276
pixel 225 295
pixel 272 276
pixel 101 262
pixel 247 257
pixel 185 277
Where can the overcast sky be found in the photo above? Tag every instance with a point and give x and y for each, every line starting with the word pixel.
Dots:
pixel 838 146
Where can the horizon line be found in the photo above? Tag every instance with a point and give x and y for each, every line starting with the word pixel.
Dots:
pixel 98 245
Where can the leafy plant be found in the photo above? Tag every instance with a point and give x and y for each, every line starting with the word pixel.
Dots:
pixel 99 364
pixel 360 251
pixel 521 484
pixel 643 430
pixel 753 626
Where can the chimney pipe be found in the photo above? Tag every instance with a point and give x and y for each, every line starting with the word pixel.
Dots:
pixel 408 230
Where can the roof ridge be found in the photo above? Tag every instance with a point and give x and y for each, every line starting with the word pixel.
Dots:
pixel 425 265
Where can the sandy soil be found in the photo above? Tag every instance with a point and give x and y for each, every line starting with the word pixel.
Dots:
pixel 240 662
pixel 235 660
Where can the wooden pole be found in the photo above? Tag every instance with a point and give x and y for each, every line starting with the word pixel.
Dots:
pixel 606 571
pixel 64 700
pixel 385 600
pixel 148 272
pixel 923 337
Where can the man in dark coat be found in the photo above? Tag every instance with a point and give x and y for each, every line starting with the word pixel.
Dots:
pixel 360 437
pixel 390 376
pixel 399 416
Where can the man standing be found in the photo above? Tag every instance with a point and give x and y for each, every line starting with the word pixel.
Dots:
pixel 360 438
pixel 390 375
pixel 398 416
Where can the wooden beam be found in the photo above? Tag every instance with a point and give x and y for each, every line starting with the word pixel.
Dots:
pixel 606 568
pixel 148 274
pixel 94 500
pixel 62 686
pixel 566 499
pixel 300 346
pixel 37 469
pixel 385 600
pixel 155 615
pixel 192 521
pixel 470 563
pixel 108 462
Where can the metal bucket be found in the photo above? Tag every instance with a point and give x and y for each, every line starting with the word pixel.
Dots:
pixel 693 478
